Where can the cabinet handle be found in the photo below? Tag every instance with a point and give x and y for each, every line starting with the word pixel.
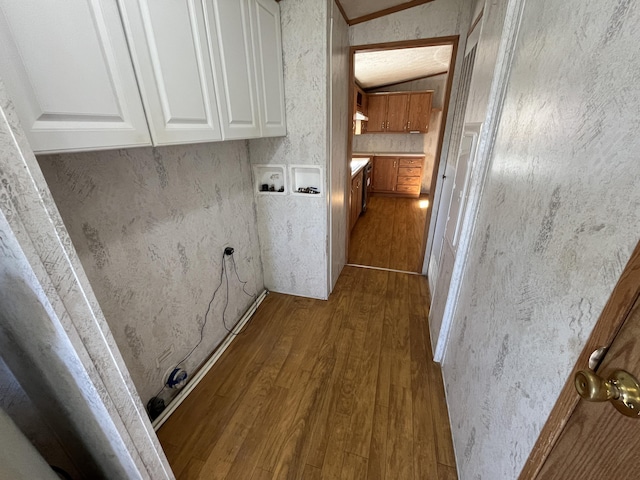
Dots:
pixel 382 126
pixel 408 125
pixel 387 124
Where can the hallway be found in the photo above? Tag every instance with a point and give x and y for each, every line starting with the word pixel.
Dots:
pixel 390 234
pixel 340 389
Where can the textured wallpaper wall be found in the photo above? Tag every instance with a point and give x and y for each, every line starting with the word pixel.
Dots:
pixel 294 229
pixel 150 226
pixel 558 220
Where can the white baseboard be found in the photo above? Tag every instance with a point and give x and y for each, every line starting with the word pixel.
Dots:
pixel 175 403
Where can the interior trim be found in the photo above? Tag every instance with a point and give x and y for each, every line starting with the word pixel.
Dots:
pixel 344 15
pixel 405 81
pixel 387 11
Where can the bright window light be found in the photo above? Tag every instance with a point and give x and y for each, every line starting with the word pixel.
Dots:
pixel 424 203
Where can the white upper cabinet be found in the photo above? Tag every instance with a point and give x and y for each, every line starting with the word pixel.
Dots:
pixel 67 69
pixel 80 71
pixel 170 52
pixel 232 52
pixel 265 23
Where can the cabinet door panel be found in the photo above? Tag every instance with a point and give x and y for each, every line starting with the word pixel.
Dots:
pixel 230 44
pixel 169 48
pixel 67 68
pixel 397 113
pixel 265 20
pixel 419 112
pixel 384 174
pixel 377 113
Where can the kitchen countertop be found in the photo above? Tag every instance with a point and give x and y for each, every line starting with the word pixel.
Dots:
pixel 388 154
pixel 358 164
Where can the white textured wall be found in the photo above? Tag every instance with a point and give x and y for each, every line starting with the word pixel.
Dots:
pixel 15 402
pixel 150 226
pixel 294 229
pixel 439 18
pixel 559 218
pixel 64 356
pixel 340 128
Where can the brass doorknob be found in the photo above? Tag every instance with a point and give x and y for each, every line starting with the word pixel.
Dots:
pixel 622 390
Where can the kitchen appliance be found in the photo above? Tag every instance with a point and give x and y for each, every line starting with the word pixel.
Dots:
pixel 367 184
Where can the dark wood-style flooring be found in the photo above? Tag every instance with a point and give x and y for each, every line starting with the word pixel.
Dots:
pixel 337 389
pixel 390 234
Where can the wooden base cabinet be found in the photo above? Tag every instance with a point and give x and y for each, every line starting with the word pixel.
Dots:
pixel 401 176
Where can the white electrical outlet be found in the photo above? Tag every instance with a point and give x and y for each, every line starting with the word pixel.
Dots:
pixel 163 356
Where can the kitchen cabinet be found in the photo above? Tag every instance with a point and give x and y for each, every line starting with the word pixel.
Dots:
pixel 67 69
pixel 377 113
pixel 356 198
pixel 169 47
pixel 385 171
pixel 80 72
pixel 419 112
pixel 395 175
pixel 399 112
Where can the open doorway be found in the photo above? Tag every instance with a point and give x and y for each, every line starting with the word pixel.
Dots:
pixel 400 94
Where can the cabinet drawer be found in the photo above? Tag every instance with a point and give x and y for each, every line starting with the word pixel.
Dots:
pixel 410 171
pixel 411 162
pixel 414 189
pixel 409 180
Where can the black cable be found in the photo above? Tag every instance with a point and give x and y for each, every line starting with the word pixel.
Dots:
pixel 235 268
pixel 223 271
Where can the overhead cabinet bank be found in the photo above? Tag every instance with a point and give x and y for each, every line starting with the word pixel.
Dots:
pixel 122 73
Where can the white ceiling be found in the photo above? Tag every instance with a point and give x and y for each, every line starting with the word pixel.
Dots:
pixel 359 8
pixel 385 67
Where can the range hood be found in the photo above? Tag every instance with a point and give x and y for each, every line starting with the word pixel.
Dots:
pixel 360 116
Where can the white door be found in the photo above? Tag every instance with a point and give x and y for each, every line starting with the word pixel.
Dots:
pixel 460 191
pixel 265 25
pixel 169 50
pixel 67 68
pixel 230 42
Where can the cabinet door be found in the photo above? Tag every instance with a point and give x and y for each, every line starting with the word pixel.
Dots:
pixel 267 41
pixel 67 69
pixel 419 112
pixel 397 113
pixel 230 44
pixel 384 174
pixel 377 113
pixel 168 44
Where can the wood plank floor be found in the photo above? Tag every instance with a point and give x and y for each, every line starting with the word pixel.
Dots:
pixel 390 234
pixel 337 389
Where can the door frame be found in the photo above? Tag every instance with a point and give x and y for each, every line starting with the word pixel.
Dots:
pixel 613 316
pixel 452 40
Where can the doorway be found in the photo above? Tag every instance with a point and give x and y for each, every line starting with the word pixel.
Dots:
pixel 400 95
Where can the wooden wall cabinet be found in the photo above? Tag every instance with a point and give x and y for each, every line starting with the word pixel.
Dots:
pixel 399 112
pixel 401 176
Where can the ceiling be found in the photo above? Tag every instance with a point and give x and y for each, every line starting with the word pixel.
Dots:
pixel 356 11
pixel 386 67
